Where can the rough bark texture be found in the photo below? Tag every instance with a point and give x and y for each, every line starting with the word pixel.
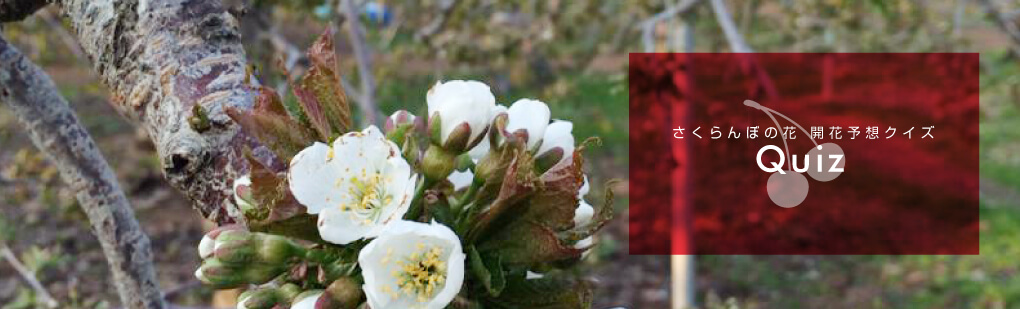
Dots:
pixel 15 10
pixel 161 58
pixel 56 131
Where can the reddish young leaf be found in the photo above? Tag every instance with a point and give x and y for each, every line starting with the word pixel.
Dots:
pixel 270 123
pixel 323 81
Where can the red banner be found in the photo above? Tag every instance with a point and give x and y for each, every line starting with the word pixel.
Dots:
pixel 804 153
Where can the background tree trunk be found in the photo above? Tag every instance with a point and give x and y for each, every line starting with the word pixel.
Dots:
pixel 55 130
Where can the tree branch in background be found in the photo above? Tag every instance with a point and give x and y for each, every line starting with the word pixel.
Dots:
pixel 722 15
pixel 437 23
pixel 15 10
pixel 356 36
pixel 40 292
pixel 168 61
pixel 739 45
pixel 56 131
pixel 1005 22
pixel 647 26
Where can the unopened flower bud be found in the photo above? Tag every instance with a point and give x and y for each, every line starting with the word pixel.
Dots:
pixel 494 137
pixel 531 116
pixel 238 248
pixel 557 139
pixel 344 293
pixel 275 249
pixel 307 299
pixel 216 273
pixel 235 247
pixel 207 245
pixel 459 106
pixel 401 118
pixel 262 273
pixel 263 298
pixel 438 162
pixel 290 291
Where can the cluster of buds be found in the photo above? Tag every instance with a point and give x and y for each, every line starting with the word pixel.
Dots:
pixel 341 294
pixel 235 257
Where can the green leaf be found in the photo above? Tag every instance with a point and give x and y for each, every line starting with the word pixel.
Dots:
pixel 488 271
pixel 545 293
pixel 518 184
pixel 527 243
pixel 555 202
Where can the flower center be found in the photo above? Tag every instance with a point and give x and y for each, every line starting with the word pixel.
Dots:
pixel 421 274
pixel 368 196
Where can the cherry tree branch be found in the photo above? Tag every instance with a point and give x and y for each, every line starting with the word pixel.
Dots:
pixel 55 130
pixel 168 61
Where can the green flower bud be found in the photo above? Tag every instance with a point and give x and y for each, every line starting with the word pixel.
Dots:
pixel 208 242
pixel 438 162
pixel 344 293
pixel 275 249
pixel 289 291
pixel 236 247
pixel 263 298
pixel 463 163
pixel 262 273
pixel 214 272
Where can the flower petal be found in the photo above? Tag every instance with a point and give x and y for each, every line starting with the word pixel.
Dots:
pixel 530 115
pixel 380 260
pixel 342 227
pixel 482 148
pixel 558 134
pixel 312 177
pixel 583 214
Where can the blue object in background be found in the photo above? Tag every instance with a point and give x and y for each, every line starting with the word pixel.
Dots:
pixel 375 12
pixel 378 13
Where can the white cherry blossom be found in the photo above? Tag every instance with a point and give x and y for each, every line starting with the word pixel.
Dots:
pixel 357 186
pixel 412 265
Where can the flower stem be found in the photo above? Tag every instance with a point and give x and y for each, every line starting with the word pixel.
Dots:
pixel 417 202
pixel 467 197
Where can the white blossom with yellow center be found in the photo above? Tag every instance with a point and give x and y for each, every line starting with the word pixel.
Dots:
pixel 357 186
pixel 412 265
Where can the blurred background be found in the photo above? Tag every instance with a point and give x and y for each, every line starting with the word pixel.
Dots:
pixel 573 56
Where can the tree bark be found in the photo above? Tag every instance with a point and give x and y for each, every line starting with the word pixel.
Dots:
pixel 56 131
pixel 161 59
